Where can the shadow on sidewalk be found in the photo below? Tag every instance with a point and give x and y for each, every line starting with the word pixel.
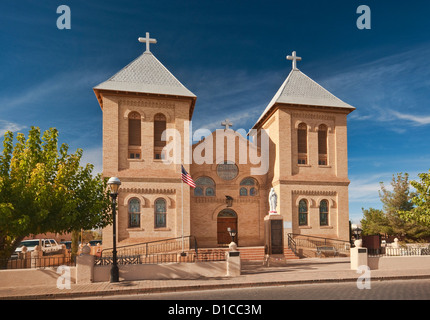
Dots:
pixel 257 267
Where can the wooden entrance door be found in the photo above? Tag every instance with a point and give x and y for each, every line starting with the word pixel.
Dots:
pixel 227 218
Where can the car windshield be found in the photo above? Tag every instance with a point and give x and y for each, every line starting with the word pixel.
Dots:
pixel 29 243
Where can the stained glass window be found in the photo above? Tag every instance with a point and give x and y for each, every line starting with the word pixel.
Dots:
pixel 247 182
pixel 303 213
pixel 205 186
pixel 160 213
pixel 210 192
pixel 198 191
pixel 134 213
pixel 243 191
pixel 324 213
pixel 248 187
pixel 227 213
pixel 227 170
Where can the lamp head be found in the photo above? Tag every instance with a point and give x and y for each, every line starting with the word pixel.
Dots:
pixel 114 184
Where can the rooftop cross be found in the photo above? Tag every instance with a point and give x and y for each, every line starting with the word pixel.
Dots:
pixel 295 59
pixel 147 40
pixel 226 124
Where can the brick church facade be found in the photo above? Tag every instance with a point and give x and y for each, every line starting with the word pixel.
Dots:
pixel 305 145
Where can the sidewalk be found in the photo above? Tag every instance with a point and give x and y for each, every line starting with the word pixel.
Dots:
pixel 303 271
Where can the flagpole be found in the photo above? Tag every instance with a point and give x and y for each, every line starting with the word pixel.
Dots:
pixel 182 193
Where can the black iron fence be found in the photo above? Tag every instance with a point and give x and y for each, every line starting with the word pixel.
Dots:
pixel 37 262
pixel 152 247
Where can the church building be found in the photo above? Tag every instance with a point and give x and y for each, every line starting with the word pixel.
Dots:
pixel 301 137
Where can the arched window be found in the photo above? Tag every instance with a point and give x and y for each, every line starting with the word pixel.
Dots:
pixel 302 143
pixel 204 186
pixel 198 191
pixel 248 186
pixel 322 145
pixel 324 213
pixel 160 213
pixel 243 191
pixel 159 128
pixel 134 135
pixel 303 213
pixel 134 213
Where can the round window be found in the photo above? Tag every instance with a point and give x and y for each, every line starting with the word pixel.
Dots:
pixel 227 170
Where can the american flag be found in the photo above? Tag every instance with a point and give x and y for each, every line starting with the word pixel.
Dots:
pixel 187 178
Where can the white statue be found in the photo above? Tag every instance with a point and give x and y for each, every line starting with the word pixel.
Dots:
pixel 273 200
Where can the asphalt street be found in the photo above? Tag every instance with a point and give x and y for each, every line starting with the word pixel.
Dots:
pixel 377 290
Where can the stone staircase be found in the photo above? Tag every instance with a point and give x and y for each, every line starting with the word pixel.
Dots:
pixel 257 253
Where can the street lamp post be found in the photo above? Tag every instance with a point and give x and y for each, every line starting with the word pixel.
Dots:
pixel 114 184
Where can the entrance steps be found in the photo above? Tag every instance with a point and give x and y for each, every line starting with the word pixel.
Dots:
pixel 257 253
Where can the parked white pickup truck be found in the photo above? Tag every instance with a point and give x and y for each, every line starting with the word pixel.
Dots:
pixel 47 245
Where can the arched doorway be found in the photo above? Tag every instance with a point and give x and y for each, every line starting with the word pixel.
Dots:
pixel 227 218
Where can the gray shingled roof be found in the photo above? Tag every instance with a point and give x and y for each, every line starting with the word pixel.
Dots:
pixel 146 75
pixel 298 88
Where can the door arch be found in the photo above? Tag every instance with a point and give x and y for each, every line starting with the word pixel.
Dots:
pixel 227 218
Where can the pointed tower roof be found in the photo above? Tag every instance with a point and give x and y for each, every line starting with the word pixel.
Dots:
pixel 145 74
pixel 299 89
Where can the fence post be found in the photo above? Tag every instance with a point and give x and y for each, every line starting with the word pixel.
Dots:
pixel 36 257
pixel 233 261
pixel 85 266
pixel 358 256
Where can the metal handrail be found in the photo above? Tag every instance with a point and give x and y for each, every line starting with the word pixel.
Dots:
pixel 292 244
pixel 159 244
pixel 301 240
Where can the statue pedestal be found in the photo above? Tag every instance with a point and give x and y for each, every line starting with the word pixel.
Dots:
pixel 274 239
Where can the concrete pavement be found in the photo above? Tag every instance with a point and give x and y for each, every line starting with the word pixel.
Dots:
pixel 254 274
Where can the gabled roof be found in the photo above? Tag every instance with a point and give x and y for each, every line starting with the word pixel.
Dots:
pixel 299 89
pixel 146 75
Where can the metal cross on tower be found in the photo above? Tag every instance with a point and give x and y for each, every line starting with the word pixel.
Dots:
pixel 226 124
pixel 295 59
pixel 147 40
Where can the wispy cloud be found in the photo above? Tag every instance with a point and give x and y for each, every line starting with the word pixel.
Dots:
pixel 390 89
pixel 44 90
pixel 417 120
pixel 10 126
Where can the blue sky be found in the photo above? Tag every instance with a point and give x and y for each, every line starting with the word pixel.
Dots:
pixel 231 54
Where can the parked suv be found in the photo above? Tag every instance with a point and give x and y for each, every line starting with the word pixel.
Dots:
pixel 47 245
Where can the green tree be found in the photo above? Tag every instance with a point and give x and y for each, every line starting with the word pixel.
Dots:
pixel 420 214
pixel 395 201
pixel 375 222
pixel 43 189
pixel 396 217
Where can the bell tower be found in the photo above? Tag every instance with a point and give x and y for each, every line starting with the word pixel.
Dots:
pixel 139 103
pixel 307 127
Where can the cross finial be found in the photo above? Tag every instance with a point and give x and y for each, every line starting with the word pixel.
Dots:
pixel 226 124
pixel 147 40
pixel 295 59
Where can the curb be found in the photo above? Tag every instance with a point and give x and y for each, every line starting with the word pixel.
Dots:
pixel 186 288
